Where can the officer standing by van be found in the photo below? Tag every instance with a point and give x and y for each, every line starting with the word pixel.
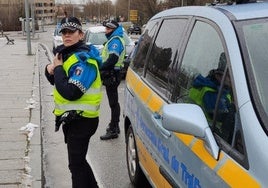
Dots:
pixel 77 95
pixel 113 56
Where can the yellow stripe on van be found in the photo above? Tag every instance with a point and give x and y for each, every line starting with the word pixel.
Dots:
pixel 148 163
pixel 235 176
pixel 131 79
pixel 186 139
pixel 137 87
pixel 155 103
pixel 145 93
pixel 199 149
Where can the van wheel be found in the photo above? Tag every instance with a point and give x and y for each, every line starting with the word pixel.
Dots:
pixel 135 173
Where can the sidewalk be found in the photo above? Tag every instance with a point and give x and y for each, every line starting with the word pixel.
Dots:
pixel 20 142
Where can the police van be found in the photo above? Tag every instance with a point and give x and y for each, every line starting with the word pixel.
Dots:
pixel 196 98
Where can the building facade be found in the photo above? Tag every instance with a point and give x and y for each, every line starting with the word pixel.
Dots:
pixel 13 12
pixel 44 11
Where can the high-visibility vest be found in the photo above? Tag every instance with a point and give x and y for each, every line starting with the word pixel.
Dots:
pixel 89 103
pixel 105 54
pixel 197 94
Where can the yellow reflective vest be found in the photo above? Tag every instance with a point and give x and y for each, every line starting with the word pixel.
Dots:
pixel 90 101
pixel 105 54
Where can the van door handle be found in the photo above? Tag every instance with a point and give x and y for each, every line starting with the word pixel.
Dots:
pixel 156 118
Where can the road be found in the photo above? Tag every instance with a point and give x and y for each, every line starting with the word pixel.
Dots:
pixel 106 157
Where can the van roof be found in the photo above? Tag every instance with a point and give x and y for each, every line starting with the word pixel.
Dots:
pixel 234 12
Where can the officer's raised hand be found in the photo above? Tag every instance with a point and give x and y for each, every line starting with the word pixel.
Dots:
pixel 57 60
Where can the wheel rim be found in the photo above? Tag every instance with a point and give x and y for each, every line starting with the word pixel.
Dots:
pixel 131 155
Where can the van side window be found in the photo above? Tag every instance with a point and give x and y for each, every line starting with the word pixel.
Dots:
pixel 204 79
pixel 163 54
pixel 142 47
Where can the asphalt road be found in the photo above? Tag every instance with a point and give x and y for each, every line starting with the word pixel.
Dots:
pixel 107 158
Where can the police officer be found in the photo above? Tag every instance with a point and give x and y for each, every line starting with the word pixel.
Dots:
pixel 113 55
pixel 205 92
pixel 77 95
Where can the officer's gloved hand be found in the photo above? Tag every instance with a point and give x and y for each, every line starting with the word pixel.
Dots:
pixel 66 118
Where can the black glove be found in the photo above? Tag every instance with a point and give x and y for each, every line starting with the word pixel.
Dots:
pixel 67 118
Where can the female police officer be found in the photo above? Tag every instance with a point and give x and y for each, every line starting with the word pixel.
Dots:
pixel 77 95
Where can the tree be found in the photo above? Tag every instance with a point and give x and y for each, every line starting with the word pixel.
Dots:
pixel 10 13
pixel 104 9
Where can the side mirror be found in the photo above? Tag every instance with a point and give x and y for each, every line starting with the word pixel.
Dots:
pixel 190 119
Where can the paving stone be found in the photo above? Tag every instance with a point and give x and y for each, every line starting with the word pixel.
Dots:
pixel 10 177
pixel 14 154
pixel 10 146
pixel 11 164
pixel 11 135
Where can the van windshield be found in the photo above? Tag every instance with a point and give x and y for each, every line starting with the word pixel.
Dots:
pixel 254 40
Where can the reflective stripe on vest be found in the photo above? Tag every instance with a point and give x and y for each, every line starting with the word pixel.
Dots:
pixel 93 91
pixel 79 107
pixel 105 54
pixel 89 103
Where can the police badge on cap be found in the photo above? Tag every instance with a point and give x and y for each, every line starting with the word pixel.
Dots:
pixel 71 23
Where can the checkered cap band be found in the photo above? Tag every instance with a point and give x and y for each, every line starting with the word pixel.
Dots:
pixel 71 25
pixel 111 25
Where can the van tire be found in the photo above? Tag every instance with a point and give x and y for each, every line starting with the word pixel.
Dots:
pixel 135 173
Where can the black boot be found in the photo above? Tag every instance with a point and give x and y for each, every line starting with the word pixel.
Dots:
pixel 117 129
pixel 111 133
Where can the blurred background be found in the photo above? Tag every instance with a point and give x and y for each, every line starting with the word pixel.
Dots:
pixel 45 12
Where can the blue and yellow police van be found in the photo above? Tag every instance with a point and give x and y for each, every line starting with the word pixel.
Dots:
pixel 196 98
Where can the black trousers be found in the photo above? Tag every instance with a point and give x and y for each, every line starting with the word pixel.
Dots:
pixel 77 135
pixel 112 94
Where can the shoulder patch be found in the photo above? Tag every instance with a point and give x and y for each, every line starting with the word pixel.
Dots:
pixel 114 46
pixel 78 71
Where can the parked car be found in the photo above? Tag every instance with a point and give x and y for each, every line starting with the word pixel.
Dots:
pixel 180 133
pixel 57 37
pixel 134 29
pixel 96 35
